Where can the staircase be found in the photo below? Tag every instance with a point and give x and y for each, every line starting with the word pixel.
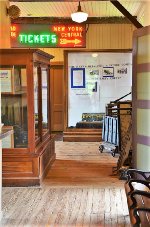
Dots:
pixel 83 136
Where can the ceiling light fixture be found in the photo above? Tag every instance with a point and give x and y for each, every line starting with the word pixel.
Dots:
pixel 94 55
pixel 79 16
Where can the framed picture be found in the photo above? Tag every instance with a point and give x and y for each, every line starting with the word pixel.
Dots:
pixel 108 72
pixel 10 80
pixel 77 77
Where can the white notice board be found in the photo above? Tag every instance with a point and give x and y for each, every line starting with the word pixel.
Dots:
pixel 95 81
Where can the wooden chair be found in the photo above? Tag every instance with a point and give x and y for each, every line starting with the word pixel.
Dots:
pixel 138 197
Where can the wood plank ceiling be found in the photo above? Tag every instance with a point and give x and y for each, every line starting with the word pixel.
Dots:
pixel 62 9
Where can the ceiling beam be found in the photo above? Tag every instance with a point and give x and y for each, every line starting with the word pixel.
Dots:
pixel 126 14
pixel 61 20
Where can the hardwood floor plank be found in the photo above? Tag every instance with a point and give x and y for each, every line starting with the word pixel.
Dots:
pixel 69 207
pixel 101 212
pixel 82 208
pixel 119 205
pixel 78 191
pixel 88 209
pixel 94 220
pixel 96 201
pixel 113 207
pixel 75 210
pixel 125 208
pixel 57 207
pixel 43 207
pixel 107 208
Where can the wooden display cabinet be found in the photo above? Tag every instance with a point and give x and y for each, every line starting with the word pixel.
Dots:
pixel 25 108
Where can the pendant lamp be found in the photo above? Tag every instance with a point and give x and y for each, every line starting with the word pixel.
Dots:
pixel 79 16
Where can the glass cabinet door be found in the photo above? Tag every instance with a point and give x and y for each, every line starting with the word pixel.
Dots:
pixel 41 99
pixel 44 78
pixel 14 104
pixel 36 104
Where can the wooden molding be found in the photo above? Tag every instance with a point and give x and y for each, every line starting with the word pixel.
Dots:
pixel 57 63
pixel 56 20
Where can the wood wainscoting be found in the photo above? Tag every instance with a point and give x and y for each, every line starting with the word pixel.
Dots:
pixel 27 170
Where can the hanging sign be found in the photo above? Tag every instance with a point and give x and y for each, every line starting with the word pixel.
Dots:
pixel 41 35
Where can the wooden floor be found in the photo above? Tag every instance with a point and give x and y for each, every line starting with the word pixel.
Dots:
pixel 79 190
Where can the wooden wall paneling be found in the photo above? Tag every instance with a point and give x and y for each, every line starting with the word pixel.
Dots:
pixel 109 36
pixel 22 171
pixel 101 36
pixel 57 52
pixel 10 167
pixel 114 31
pixel 24 166
pixel 57 102
pixel 47 158
pixel 58 99
pixel 120 38
pixel 28 171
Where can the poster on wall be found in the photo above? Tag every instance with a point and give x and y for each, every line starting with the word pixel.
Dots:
pixel 94 80
pixel 77 77
pixel 6 80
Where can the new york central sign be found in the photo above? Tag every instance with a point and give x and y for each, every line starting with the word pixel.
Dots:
pixel 39 35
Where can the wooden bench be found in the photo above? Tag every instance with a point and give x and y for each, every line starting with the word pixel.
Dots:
pixel 138 197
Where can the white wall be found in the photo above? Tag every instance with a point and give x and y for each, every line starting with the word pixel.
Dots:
pixel 91 92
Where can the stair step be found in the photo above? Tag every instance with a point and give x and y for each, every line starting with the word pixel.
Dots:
pixel 82 133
